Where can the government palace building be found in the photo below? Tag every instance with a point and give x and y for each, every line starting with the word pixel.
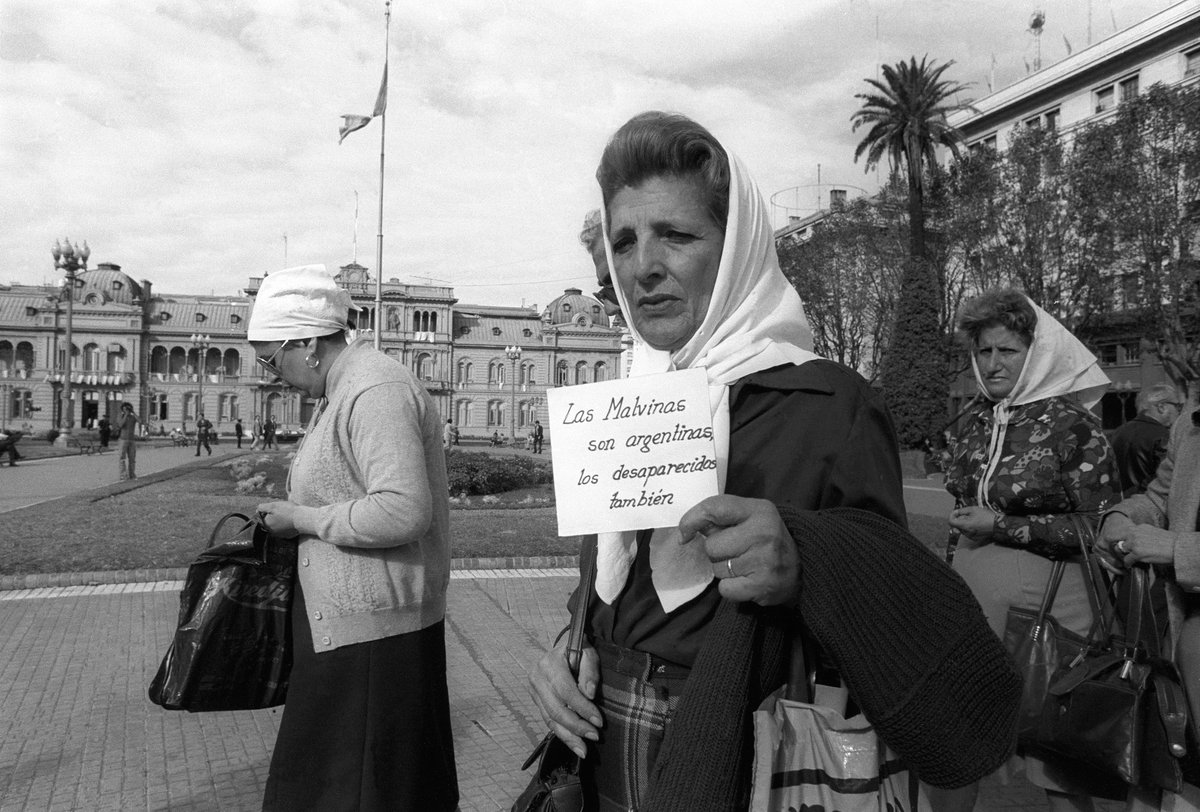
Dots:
pixel 174 355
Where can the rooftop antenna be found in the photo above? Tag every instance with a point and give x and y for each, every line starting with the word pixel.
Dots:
pixel 1036 23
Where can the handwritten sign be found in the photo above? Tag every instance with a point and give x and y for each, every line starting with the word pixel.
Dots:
pixel 631 453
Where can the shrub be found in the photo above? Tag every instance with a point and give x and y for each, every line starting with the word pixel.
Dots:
pixel 477 473
pixel 52 435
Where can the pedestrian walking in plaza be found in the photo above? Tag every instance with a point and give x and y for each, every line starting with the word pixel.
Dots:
pixel 8 445
pixel 105 432
pixel 127 423
pixel 203 427
pixel 1142 442
pixel 690 627
pixel 366 725
pixel 256 437
pixel 448 434
pixel 538 434
pixel 1028 455
pixel 238 431
pixel 269 433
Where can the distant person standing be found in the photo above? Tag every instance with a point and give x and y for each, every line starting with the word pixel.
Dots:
pixel 203 427
pixel 238 431
pixel 269 433
pixel 1142 442
pixel 448 434
pixel 538 434
pixel 8 445
pixel 105 432
pixel 256 438
pixel 127 424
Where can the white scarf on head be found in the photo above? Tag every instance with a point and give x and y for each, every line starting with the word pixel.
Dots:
pixel 755 321
pixel 1057 364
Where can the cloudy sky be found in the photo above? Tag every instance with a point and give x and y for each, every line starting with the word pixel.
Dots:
pixel 183 139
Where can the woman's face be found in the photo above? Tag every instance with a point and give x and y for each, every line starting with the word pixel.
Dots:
pixel 285 359
pixel 1000 355
pixel 666 249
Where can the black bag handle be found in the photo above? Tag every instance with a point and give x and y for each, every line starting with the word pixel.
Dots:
pixel 587 585
pixel 247 523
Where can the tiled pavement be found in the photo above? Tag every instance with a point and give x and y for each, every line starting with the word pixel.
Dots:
pixel 77 732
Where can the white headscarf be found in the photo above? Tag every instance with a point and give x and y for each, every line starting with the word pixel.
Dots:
pixel 755 321
pixel 1057 364
pixel 298 303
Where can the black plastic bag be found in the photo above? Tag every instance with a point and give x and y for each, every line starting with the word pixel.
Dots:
pixel 233 647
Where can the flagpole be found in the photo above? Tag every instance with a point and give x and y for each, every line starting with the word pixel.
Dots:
pixel 382 132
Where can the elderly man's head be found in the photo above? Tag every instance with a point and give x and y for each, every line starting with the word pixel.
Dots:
pixel 1160 402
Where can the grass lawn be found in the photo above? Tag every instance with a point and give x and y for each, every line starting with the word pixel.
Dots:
pixel 165 524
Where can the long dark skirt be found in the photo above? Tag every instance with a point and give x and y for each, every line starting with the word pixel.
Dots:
pixel 365 727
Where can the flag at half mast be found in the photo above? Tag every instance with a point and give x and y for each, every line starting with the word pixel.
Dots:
pixel 351 122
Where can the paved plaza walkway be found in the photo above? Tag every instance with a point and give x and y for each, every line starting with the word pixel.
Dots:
pixel 78 733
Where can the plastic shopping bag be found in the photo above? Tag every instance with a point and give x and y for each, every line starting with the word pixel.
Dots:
pixel 810 757
pixel 233 646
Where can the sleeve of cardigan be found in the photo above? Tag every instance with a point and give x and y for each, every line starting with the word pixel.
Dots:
pixel 386 444
pixel 866 473
pixel 1087 475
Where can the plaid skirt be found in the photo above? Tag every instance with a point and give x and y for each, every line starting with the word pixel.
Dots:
pixel 637 695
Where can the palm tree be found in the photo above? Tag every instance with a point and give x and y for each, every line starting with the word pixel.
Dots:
pixel 906 117
pixel 907 120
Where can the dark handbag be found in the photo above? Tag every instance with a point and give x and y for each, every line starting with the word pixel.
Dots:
pixel 1120 708
pixel 1038 645
pixel 232 649
pixel 555 786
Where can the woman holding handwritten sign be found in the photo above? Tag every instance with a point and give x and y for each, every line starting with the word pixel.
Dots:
pixel 693 623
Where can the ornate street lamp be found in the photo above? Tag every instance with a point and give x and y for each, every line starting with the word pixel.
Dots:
pixel 70 259
pixel 200 342
pixel 514 354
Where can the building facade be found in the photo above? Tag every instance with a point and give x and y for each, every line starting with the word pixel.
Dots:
pixel 175 356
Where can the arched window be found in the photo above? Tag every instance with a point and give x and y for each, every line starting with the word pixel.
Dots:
pixel 581 372
pixel 416 328
pixel 563 373
pixel 231 365
pixel 464 413
pixel 433 321
pixel 601 372
pixel 424 367
pixel 393 319
pixel 212 361
pixel 24 356
pixel 178 361
pixel 8 357
pixel 228 408
pixel 92 358
pixel 158 406
pixel 189 405
pixel 159 361
pixel 62 357
pixel 496 413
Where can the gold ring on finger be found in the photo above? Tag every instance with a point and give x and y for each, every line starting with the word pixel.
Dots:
pixel 729 565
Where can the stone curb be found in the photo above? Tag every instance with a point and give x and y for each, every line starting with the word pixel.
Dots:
pixel 54 579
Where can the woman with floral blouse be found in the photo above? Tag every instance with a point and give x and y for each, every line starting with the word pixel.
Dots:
pixel 1028 455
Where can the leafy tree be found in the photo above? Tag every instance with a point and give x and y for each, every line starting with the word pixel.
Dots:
pixel 846 273
pixel 905 116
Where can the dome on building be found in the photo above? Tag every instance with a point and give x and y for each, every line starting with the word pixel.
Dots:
pixel 107 285
pixel 573 307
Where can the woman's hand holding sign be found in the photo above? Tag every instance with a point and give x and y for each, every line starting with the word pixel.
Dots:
pixel 752 553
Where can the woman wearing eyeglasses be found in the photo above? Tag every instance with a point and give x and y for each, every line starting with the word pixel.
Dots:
pixel 367 723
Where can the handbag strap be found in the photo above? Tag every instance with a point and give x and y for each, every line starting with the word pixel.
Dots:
pixel 1056 576
pixel 246 522
pixel 587 585
pixel 1096 581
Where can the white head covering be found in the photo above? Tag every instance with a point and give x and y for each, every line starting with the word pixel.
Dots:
pixel 298 303
pixel 755 321
pixel 1057 364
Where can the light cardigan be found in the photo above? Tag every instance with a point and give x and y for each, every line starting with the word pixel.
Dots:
pixel 370 476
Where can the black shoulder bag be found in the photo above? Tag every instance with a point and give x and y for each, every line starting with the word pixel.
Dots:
pixel 555 786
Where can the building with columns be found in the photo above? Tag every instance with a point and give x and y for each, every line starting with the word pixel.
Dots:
pixel 174 356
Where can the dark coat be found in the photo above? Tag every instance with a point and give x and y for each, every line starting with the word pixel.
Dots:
pixel 1140 446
